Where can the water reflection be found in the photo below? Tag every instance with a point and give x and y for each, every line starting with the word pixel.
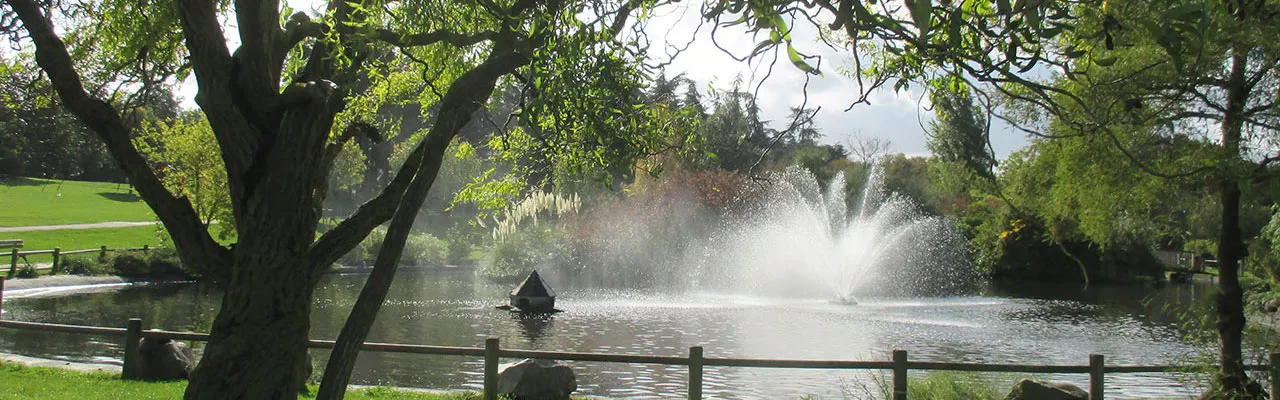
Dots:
pixel 533 326
pixel 1044 325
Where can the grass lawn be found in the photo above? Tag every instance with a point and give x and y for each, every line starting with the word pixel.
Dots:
pixel 78 239
pixel 19 382
pixel 30 202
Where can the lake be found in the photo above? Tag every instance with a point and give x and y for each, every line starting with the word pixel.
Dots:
pixel 1027 325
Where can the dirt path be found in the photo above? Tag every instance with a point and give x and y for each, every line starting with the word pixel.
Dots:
pixel 114 224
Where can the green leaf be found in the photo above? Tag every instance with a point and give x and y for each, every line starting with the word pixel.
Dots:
pixel 763 45
pixel 921 11
pixel 1104 61
pixel 798 60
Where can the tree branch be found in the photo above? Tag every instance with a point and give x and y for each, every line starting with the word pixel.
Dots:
pixel 430 38
pixel 212 64
pixel 198 250
pixel 344 237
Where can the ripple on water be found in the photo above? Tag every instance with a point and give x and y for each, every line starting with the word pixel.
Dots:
pixel 457 311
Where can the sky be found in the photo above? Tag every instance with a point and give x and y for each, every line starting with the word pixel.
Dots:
pixel 900 119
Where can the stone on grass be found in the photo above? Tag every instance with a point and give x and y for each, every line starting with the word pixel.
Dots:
pixel 1027 389
pixel 164 360
pixel 537 380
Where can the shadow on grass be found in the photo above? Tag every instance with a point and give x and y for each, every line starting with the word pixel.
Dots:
pixel 23 181
pixel 125 197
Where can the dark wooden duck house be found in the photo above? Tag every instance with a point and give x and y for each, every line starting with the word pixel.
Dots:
pixel 533 295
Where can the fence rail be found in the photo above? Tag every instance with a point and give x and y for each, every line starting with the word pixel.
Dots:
pixel 58 254
pixel 492 352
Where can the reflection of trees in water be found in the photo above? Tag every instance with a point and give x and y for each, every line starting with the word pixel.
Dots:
pixel 533 326
pixel 1150 306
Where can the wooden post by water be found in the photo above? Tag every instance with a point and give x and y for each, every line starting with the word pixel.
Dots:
pixel 145 249
pixel 695 373
pixel 491 368
pixel 1274 360
pixel 102 254
pixel 57 253
pixel 133 334
pixel 899 375
pixel 1095 377
pixel 13 263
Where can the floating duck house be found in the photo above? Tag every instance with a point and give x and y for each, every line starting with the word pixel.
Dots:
pixel 533 295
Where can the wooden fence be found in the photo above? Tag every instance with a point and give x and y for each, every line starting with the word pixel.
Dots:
pixel 492 352
pixel 58 254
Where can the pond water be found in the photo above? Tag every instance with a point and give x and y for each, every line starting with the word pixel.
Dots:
pixel 1032 325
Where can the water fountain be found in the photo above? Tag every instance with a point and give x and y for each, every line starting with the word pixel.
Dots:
pixel 802 240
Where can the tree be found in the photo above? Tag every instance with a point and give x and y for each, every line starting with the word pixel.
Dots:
pixel 185 156
pixel 959 135
pixel 1089 63
pixel 284 104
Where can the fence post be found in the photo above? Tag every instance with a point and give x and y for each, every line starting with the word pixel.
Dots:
pixel 102 254
pixel 2 300
pixel 491 368
pixel 57 253
pixel 13 263
pixel 145 249
pixel 695 373
pixel 1095 377
pixel 133 333
pixel 1275 375
pixel 899 374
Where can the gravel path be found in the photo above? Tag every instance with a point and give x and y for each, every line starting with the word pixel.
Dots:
pixel 114 224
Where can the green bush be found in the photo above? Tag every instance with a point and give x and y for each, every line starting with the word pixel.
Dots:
pixel 526 249
pixel 461 241
pixel 85 265
pixel 419 249
pixel 1202 248
pixel 949 385
pixel 153 263
pixel 424 249
pixel 25 271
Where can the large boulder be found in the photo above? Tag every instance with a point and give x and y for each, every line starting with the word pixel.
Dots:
pixel 537 380
pixel 1027 389
pixel 164 360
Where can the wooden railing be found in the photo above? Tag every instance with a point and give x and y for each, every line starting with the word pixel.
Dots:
pixel 695 361
pixel 58 255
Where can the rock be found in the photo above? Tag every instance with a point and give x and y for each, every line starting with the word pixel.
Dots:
pixel 1271 306
pixel 537 380
pixel 164 360
pixel 1027 389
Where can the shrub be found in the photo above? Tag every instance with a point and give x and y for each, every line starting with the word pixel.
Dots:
pixel 419 249
pixel 950 385
pixel 519 252
pixel 85 265
pixel 1202 247
pixel 25 271
pixel 154 263
pixel 424 249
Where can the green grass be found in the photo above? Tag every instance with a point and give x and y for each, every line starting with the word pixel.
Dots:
pixel 79 239
pixel 20 382
pixel 32 202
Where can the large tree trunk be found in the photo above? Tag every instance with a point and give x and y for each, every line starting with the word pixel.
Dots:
pixel 258 344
